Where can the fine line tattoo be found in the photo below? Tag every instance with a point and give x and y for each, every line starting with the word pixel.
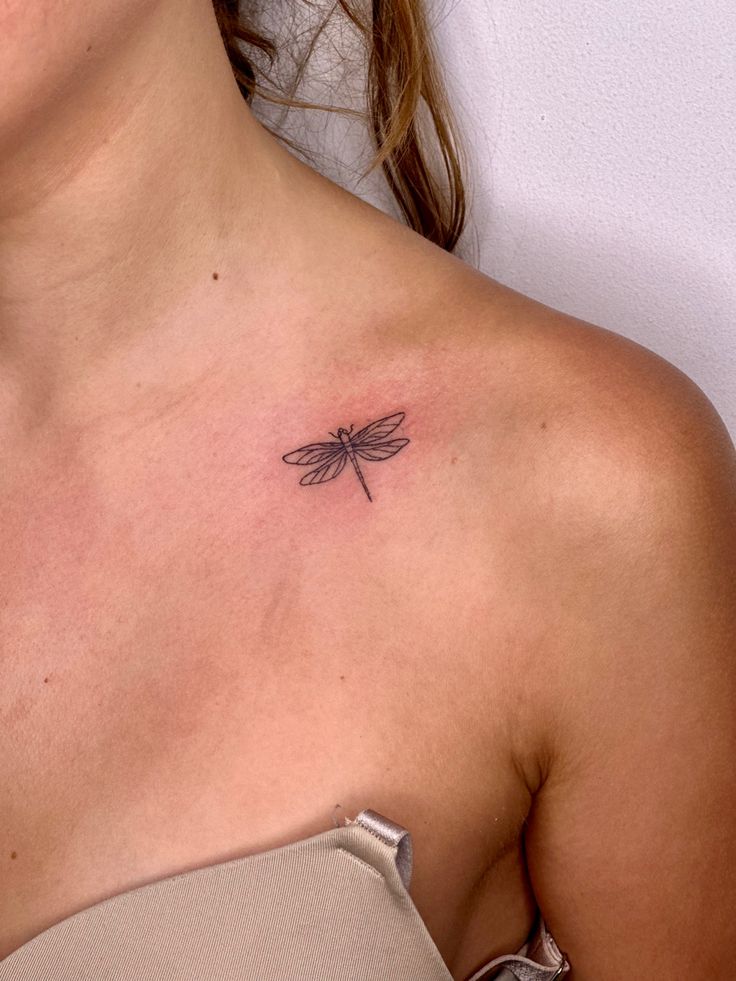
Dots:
pixel 369 443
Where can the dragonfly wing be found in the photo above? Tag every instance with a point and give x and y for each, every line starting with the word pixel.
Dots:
pixel 313 453
pixel 381 451
pixel 376 432
pixel 327 471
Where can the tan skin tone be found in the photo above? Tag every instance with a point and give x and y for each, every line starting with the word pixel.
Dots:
pixel 519 650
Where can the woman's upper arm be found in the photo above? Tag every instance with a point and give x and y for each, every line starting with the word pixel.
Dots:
pixel 631 839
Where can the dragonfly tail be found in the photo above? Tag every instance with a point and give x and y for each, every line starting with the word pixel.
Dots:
pixel 354 461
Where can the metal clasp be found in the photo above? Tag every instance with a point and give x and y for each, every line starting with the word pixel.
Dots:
pixel 561 968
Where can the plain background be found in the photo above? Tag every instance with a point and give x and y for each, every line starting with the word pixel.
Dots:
pixel 601 138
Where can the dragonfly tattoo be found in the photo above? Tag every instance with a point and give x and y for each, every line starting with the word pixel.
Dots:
pixel 369 443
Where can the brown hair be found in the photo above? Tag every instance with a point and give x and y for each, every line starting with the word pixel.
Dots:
pixel 402 71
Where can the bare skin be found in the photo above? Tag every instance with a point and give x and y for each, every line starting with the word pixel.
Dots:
pixel 202 658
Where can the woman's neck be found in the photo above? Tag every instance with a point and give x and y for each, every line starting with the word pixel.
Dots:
pixel 120 202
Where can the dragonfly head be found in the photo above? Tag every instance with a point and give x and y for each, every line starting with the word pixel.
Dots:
pixel 344 432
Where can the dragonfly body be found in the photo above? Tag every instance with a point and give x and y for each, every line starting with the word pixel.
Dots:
pixel 369 443
pixel 344 436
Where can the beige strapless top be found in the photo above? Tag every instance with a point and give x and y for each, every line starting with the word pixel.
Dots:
pixel 332 907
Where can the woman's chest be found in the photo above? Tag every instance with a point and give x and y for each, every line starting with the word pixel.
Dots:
pixel 184 686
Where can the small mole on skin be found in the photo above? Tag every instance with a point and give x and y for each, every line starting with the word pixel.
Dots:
pixel 342 677
pixel 89 47
pixel 453 460
pixel 14 854
pixel 215 275
pixel 45 680
pixel 543 426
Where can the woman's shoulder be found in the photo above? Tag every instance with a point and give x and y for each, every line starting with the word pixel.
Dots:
pixel 583 465
pixel 601 438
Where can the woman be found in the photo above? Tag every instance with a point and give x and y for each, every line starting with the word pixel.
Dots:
pixel 506 625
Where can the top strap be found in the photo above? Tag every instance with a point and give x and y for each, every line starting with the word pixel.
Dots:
pixel 540 959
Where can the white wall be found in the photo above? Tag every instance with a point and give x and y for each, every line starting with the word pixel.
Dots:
pixel 602 138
